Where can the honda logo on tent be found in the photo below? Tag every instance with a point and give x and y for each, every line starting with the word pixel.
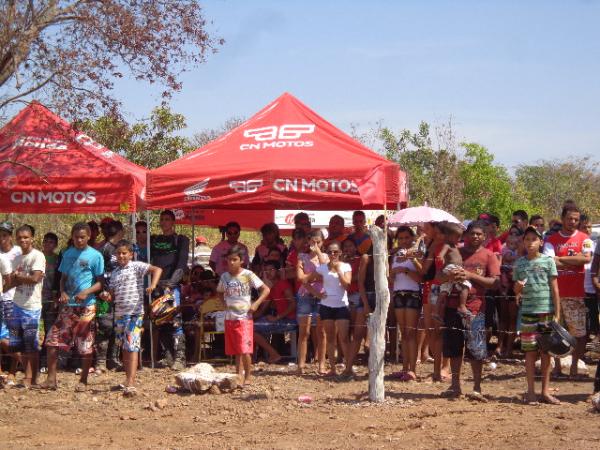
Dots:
pixel 289 135
pixel 192 192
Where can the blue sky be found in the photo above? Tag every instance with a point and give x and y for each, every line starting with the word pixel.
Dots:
pixel 521 78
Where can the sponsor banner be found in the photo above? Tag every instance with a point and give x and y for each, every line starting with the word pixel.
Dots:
pixel 319 219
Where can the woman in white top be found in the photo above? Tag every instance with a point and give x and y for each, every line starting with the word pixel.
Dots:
pixel 407 300
pixel 334 309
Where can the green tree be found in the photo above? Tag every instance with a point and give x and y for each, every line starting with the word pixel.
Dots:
pixel 433 172
pixel 487 187
pixel 151 142
pixel 547 184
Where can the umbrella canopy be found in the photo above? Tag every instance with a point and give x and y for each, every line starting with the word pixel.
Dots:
pixel 419 215
pixel 284 157
pixel 46 166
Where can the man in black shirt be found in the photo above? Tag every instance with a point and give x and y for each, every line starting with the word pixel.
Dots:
pixel 106 350
pixel 169 251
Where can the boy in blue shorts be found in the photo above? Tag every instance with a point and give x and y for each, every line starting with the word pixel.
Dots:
pixel 126 285
pixel 536 288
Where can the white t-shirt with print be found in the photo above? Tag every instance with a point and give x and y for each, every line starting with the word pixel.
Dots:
pixel 236 291
pixel 127 284
pixel 29 296
pixel 336 295
pixel 10 257
pixel 402 282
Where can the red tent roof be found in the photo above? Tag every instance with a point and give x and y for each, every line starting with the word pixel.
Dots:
pixel 284 157
pixel 48 167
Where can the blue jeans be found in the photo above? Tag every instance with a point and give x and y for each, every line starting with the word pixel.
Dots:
pixel 307 305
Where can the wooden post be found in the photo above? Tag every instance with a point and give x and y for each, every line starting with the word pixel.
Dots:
pixel 377 320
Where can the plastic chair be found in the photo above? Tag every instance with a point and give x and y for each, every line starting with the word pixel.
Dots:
pixel 205 330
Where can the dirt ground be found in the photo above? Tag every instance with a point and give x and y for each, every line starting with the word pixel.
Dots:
pixel 269 415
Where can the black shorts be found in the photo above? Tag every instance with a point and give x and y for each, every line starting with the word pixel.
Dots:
pixel 453 337
pixel 407 299
pixel 328 313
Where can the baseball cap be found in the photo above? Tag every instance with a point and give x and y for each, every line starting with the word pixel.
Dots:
pixel 106 221
pixel 532 229
pixel 6 226
pixel 201 240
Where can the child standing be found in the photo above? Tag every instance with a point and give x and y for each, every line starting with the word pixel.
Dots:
pixel 235 288
pixel 126 284
pixel 536 288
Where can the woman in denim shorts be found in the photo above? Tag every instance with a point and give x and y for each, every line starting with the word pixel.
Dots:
pixel 407 299
pixel 307 309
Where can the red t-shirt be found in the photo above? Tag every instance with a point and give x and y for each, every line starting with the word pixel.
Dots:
pixel 277 296
pixel 292 261
pixel 484 263
pixel 570 279
pixel 354 264
pixel 494 245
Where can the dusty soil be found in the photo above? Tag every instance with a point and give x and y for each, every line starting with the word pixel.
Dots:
pixel 269 415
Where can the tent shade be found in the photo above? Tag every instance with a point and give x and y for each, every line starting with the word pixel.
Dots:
pixel 284 157
pixel 49 167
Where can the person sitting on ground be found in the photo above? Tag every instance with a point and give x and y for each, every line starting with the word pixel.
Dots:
pixel 536 287
pixel 126 290
pixel 218 256
pixel 452 261
pixel 278 313
pixel 24 322
pixel 235 290
pixel 82 269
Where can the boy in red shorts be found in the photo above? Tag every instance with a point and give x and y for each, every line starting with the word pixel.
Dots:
pixel 235 289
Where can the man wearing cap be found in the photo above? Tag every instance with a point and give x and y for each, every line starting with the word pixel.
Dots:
pixel 202 251
pixel 9 252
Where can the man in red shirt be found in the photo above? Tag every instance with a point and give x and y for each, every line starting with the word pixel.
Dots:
pixel 482 269
pixel 572 250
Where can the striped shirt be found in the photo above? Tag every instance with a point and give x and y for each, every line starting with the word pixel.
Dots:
pixel 127 284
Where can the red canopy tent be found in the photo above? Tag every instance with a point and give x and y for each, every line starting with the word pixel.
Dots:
pixel 46 166
pixel 284 157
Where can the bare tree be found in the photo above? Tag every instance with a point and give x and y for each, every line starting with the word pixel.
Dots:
pixel 210 134
pixel 69 53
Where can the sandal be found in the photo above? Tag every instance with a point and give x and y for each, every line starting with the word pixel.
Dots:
pixel 129 391
pixel 451 393
pixel 81 387
pixel 550 400
pixel 477 396
pixel 527 401
pixel 47 386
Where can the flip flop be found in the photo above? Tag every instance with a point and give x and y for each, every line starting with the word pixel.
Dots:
pixel 450 393
pixel 81 387
pixel 47 386
pixel 398 375
pixel 129 391
pixel 550 400
pixel 525 400
pixel 477 396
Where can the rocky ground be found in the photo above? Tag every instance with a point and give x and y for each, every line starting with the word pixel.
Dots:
pixel 269 415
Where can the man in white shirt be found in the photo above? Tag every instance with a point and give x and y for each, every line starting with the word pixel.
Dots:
pixel 9 252
pixel 24 323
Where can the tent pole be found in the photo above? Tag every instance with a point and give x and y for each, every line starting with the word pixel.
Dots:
pixel 193 236
pixel 148 257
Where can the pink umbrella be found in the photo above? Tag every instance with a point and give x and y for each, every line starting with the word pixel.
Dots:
pixel 419 215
